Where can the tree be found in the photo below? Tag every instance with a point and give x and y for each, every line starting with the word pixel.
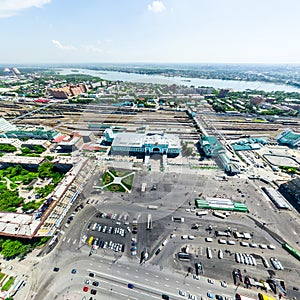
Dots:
pixel 11 249
pixel 45 170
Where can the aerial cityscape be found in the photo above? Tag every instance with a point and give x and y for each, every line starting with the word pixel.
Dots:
pixel 149 150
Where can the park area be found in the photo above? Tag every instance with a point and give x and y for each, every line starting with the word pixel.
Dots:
pixel 18 187
pixel 117 181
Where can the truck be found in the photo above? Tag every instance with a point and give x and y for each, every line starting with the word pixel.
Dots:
pixel 178 219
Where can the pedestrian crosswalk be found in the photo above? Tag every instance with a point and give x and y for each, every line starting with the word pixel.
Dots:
pixel 69 241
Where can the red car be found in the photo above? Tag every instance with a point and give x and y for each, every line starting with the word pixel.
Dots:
pixel 85 288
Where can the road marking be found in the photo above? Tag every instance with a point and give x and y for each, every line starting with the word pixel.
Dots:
pixel 69 240
pixel 74 242
pixel 167 278
pixel 156 276
pixel 166 285
pixel 136 276
pixel 126 274
pixel 147 273
pixel 177 281
pixel 187 284
pixel 156 282
pixel 146 279
pixel 118 271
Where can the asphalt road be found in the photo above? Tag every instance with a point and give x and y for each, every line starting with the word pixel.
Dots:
pixel 163 273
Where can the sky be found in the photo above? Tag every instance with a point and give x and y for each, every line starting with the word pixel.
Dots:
pixel 163 31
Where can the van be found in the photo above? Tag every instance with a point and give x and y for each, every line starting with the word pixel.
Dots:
pixel 244 244
pixel 231 242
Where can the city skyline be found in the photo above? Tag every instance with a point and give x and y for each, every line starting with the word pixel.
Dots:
pixel 166 31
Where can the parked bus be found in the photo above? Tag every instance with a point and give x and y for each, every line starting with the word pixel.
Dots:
pixel 178 219
pixel 209 253
pixel 149 222
pixel 202 213
pixel 152 207
pixel 219 215
pixel 183 256
pixel 143 189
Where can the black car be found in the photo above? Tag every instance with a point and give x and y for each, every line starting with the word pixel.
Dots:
pixel 93 292
pixel 95 283
pixel 56 269
pixel 92 274
pixel 219 297
pixel 164 296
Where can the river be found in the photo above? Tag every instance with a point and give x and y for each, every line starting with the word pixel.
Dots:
pixel 236 85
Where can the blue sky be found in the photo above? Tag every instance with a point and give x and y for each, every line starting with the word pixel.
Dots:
pixel 71 31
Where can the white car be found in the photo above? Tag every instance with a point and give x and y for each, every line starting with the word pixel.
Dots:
pixel 272 247
pixel 182 293
pixel 211 281
pixel 193 297
pixel 224 284
pixel 196 277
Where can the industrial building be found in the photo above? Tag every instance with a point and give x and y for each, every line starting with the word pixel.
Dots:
pixel 216 203
pixel 276 198
pixel 291 191
pixel 289 137
pixel 210 145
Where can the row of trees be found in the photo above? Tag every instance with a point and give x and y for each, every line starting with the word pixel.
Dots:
pixel 19 248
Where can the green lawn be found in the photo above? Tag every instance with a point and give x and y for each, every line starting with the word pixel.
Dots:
pixel 8 284
pixel 1 276
pixel 127 181
pixel 107 178
pixel 119 173
pixel 115 188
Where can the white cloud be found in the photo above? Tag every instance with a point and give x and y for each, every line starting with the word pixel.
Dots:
pixel 59 45
pixel 10 8
pixel 156 6
pixel 92 48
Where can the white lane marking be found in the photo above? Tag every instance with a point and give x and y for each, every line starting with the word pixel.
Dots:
pixel 167 278
pixel 74 242
pixel 64 239
pixel 69 240
pixel 166 285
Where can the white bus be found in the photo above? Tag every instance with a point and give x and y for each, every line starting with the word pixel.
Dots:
pixel 219 215
pixel 201 213
pixel 143 189
pixel 209 253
